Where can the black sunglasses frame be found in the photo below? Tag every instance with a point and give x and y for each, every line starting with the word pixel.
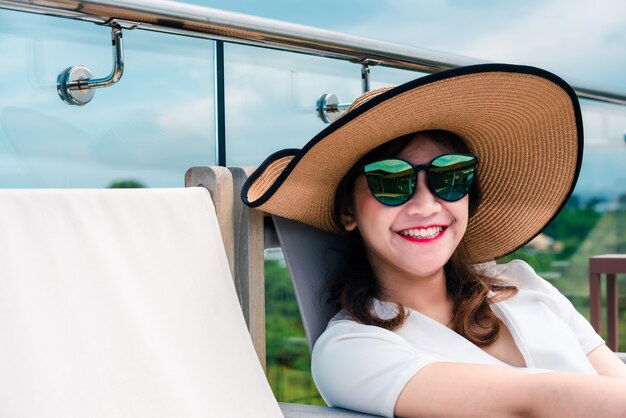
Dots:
pixel 416 169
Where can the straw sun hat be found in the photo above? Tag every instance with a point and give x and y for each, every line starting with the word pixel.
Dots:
pixel 523 123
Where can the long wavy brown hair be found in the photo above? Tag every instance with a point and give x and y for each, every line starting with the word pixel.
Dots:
pixel 354 287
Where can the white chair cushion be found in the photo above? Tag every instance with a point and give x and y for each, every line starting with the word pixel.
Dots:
pixel 120 303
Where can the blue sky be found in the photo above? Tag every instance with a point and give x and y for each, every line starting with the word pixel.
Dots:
pixel 159 119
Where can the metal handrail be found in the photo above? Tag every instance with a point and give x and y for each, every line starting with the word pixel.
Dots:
pixel 204 22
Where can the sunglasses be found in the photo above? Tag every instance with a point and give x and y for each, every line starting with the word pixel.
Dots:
pixel 393 181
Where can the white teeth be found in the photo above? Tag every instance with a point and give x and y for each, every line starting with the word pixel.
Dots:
pixel 428 233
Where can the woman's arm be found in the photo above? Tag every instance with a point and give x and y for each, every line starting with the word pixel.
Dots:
pixel 607 363
pixel 470 390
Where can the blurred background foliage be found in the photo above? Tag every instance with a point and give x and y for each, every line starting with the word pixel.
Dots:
pixel 288 357
pixel 127 184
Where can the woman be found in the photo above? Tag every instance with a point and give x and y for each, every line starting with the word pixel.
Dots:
pixel 431 181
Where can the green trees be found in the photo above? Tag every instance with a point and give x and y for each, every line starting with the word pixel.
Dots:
pixel 288 357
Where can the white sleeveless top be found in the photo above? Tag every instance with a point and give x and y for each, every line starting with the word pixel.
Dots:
pixel 364 367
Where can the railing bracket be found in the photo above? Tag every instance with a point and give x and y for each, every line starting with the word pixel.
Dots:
pixel 365 73
pixel 76 85
pixel 329 108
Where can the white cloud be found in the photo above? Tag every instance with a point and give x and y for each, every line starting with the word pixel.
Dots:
pixel 188 117
pixel 578 39
pixel 564 34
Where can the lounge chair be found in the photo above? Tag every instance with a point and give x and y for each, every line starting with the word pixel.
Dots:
pixel 120 303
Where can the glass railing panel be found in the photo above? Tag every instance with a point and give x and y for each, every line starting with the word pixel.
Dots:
pixel 145 130
pixel 270 105
pixel 288 361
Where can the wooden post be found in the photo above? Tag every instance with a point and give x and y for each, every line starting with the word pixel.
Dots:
pixel 612 311
pixel 219 181
pixel 595 302
pixel 249 262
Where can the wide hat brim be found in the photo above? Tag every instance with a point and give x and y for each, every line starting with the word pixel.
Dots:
pixel 524 124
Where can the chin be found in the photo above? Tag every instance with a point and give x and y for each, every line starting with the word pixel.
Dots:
pixel 422 272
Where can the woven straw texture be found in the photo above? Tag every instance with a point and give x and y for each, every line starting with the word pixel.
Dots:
pixel 521 126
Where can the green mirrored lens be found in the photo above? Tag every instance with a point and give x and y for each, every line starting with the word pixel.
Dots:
pixel 450 176
pixel 391 181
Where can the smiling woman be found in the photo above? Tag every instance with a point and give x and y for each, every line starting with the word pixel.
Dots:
pixel 422 306
pixel 392 231
pixel 423 217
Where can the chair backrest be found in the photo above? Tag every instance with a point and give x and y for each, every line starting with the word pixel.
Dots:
pixel 120 303
pixel 311 255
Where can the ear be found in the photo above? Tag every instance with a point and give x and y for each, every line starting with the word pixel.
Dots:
pixel 348 220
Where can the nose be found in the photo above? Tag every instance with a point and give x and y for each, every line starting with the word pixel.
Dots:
pixel 423 202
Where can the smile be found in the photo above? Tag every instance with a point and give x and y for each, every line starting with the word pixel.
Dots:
pixel 423 234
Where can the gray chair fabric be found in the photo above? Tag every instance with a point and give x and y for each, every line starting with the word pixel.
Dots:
pixel 310 255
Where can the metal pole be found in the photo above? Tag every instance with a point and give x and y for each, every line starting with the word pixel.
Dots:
pixel 365 77
pixel 220 117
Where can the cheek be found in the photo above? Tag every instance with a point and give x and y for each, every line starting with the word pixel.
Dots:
pixel 368 211
pixel 362 197
pixel 460 211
